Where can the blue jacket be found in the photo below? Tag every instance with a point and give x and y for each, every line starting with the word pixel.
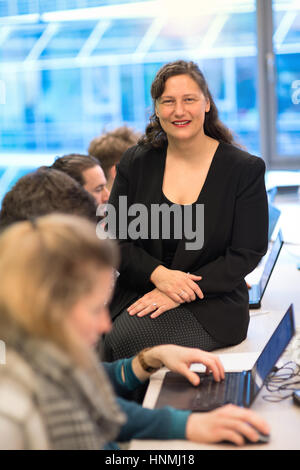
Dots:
pixel 142 423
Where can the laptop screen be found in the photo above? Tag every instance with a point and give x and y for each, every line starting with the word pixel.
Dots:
pixel 275 250
pixel 274 214
pixel 273 350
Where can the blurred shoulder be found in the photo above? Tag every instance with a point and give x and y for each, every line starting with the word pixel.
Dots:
pixel 19 411
pixel 138 157
pixel 140 152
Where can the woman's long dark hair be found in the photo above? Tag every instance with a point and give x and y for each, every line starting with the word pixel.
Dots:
pixel 213 127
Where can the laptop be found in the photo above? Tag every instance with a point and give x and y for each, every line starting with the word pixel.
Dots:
pixel 239 388
pixel 272 192
pixel 257 291
pixel 274 215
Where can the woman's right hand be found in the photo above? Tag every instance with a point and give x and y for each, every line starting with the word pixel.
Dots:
pixel 179 286
pixel 228 423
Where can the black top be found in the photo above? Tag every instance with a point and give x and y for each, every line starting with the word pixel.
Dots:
pixel 169 245
pixel 235 235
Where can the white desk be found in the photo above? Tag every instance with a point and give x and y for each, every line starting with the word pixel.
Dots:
pixel 283 417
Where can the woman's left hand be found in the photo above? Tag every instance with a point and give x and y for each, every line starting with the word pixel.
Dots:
pixel 179 359
pixel 154 303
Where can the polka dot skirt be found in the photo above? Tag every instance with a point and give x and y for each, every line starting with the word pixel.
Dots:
pixel 131 334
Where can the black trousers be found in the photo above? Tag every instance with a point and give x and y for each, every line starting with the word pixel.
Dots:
pixel 131 334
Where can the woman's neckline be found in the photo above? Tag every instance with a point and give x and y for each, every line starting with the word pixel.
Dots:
pixel 176 203
pixel 210 170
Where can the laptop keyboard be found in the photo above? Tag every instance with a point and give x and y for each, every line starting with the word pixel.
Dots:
pixel 211 394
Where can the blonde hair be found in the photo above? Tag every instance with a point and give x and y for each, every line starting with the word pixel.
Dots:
pixel 46 266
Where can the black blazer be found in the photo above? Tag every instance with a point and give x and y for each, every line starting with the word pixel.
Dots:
pixel 235 236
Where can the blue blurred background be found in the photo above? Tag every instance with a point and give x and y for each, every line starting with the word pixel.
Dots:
pixel 72 69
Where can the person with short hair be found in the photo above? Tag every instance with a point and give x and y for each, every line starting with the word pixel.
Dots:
pixel 42 192
pixel 56 283
pixel 87 171
pixel 108 148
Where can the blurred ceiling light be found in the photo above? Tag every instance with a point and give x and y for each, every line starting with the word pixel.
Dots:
pixel 183 9
pixel 170 9
pixel 286 5
pixel 121 11
pixel 204 18
pixel 19 19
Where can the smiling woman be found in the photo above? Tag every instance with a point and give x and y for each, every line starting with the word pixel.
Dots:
pixel 169 80
pixel 166 293
pixel 182 106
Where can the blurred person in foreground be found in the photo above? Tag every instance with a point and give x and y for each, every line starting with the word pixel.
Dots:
pixel 54 393
pixel 108 148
